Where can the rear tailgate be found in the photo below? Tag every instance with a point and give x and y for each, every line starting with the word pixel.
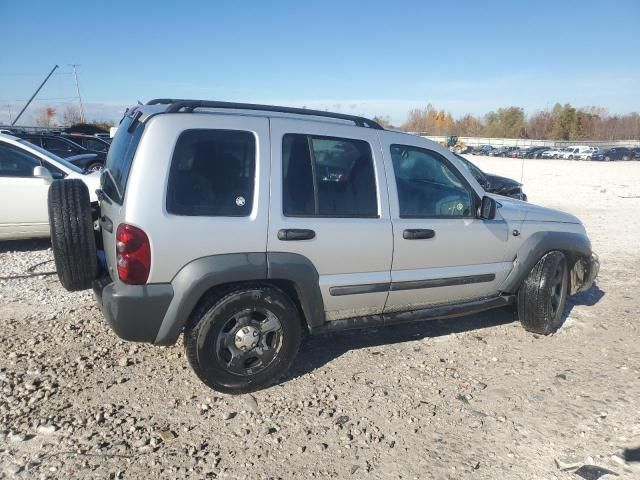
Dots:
pixel 113 182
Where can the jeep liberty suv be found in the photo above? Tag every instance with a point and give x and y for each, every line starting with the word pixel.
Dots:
pixel 245 226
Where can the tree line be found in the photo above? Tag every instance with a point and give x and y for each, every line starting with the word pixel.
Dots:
pixel 562 122
pixel 48 117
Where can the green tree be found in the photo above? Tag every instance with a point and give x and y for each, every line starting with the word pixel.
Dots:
pixel 506 122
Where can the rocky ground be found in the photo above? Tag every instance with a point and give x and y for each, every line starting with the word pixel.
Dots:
pixel 476 397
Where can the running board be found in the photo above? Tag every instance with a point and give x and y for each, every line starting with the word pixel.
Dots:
pixel 432 313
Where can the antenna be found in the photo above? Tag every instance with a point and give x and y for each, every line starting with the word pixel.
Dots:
pixel 75 75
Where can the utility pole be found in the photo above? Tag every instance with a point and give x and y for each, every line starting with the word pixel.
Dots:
pixel 34 95
pixel 10 116
pixel 75 75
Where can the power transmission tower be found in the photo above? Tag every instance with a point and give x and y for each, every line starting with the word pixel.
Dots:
pixel 75 75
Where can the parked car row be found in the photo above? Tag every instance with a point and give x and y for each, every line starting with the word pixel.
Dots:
pixel 88 152
pixel 573 152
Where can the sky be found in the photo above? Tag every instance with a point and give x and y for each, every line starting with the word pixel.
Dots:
pixel 368 58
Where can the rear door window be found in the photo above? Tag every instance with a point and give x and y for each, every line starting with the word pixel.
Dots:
pixel 212 173
pixel 328 177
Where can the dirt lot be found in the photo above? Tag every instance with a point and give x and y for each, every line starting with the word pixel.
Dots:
pixel 476 397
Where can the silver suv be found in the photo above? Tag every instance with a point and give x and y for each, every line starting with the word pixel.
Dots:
pixel 245 227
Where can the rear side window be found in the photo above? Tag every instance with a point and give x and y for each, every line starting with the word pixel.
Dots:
pixel 328 177
pixel 212 174
pixel 120 158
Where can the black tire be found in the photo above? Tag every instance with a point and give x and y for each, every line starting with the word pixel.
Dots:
pixel 72 234
pixel 212 337
pixel 95 167
pixel 542 296
pixel 607 159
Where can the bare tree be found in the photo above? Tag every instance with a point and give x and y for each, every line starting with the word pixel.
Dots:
pixel 383 120
pixel 46 117
pixel 71 115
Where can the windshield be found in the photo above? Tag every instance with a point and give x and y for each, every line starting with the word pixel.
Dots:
pixel 51 156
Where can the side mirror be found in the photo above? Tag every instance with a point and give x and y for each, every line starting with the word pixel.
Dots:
pixel 41 172
pixel 488 208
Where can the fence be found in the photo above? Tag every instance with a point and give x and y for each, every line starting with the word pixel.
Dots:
pixel 528 142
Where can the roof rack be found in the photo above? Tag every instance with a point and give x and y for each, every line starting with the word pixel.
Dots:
pixel 179 105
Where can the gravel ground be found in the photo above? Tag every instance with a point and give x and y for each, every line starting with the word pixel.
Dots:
pixel 476 397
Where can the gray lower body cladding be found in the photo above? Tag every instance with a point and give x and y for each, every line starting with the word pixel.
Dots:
pixel 134 312
pixel 575 246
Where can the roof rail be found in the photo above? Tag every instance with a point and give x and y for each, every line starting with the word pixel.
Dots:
pixel 179 105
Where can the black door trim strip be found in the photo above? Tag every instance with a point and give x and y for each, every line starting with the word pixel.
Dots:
pixel 356 289
pixel 442 282
pixel 410 285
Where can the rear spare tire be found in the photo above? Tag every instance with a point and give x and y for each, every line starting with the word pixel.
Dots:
pixel 72 236
pixel 543 294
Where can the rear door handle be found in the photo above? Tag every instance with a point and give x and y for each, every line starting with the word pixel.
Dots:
pixel 418 234
pixel 288 234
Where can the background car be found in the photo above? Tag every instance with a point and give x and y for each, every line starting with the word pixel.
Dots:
pixel 615 153
pixel 586 154
pixel 495 183
pixel 65 148
pixel 513 153
pixel 90 142
pixel 26 171
pixel 552 153
pixel 636 153
pixel 529 152
pixel 537 152
pixel 481 150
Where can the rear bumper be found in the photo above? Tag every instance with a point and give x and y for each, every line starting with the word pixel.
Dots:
pixel 134 312
pixel 584 273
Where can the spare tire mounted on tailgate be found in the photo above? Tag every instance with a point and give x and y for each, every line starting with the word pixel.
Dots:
pixel 72 237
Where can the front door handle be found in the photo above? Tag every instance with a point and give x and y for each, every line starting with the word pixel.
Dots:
pixel 288 234
pixel 418 234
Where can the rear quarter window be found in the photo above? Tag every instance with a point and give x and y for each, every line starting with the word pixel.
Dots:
pixel 212 174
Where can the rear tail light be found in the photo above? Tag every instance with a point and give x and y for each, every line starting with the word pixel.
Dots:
pixel 133 254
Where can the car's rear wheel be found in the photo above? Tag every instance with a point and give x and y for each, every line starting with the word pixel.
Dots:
pixel 625 158
pixel 243 340
pixel 542 296
pixel 95 167
pixel 72 234
pixel 607 159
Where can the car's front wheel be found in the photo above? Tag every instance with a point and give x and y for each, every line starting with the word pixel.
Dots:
pixel 543 294
pixel 244 340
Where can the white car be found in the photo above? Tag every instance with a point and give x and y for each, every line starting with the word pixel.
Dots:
pixel 26 171
pixel 574 152
pixel 586 154
pixel 553 153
